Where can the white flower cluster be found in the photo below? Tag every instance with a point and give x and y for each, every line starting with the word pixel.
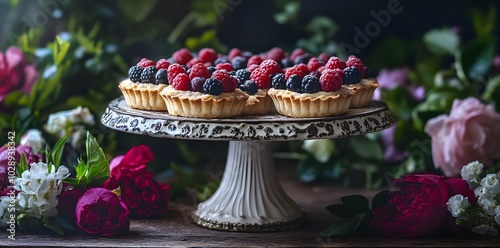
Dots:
pixel 486 190
pixel 4 213
pixel 70 123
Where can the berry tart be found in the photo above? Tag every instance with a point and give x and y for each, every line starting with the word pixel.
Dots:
pixel 303 94
pixel 146 80
pixel 201 93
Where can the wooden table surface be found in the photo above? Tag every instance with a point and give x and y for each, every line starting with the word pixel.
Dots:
pixel 176 230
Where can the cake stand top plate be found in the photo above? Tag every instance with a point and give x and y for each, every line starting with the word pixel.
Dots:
pixel 375 117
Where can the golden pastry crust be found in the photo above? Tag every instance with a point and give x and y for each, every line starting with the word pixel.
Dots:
pixel 200 105
pixel 305 105
pixel 363 92
pixel 143 96
pixel 259 104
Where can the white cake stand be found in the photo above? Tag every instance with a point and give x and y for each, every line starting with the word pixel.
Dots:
pixel 249 197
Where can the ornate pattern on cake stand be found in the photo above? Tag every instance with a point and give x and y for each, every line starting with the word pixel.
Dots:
pixel 249 197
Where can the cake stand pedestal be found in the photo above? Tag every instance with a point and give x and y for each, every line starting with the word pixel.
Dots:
pixel 249 197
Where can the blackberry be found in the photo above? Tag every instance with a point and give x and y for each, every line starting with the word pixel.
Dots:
pixel 212 86
pixel 239 63
pixel 310 84
pixel 368 73
pixel 221 60
pixel 278 81
pixel 148 75
pixel 197 84
pixel 161 76
pixel 302 59
pixel 249 87
pixel 134 73
pixel 211 69
pixel 242 75
pixel 286 62
pixel 351 75
pixel 294 83
pixel 232 73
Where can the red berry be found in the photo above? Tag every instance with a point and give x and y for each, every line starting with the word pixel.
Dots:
pixel 193 61
pixel 270 66
pixel 145 63
pixel 297 52
pixel 229 84
pixel 235 52
pixel 162 64
pixel 335 63
pixel 276 54
pixel 207 55
pixel 261 78
pixel 224 66
pixel 181 82
pixel 331 80
pixel 300 69
pixel 320 70
pixel 314 64
pixel 324 57
pixel 356 62
pixel 182 56
pixel 254 60
pixel 174 70
pixel 251 68
pixel 199 70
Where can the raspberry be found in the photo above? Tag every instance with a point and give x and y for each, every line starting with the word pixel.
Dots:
pixel 145 63
pixel 314 64
pixel 356 62
pixel 193 61
pixel 278 81
pixel 207 55
pixel 148 75
pixel 254 60
pixel 161 76
pixel 251 68
pixel 182 56
pixel 199 70
pixel 174 70
pixel 331 80
pixel 321 69
pixel 261 78
pixel 351 75
pixel 324 57
pixel 181 82
pixel 299 69
pixel 224 66
pixel 162 64
pixel 134 73
pixel 235 52
pixel 276 54
pixel 212 86
pixel 294 83
pixel 249 87
pixel 270 66
pixel 335 63
pixel 229 84
pixel 303 67
pixel 297 52
pixel 197 84
pixel 242 75
pixel 310 84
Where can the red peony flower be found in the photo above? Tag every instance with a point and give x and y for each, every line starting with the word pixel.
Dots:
pixel 101 212
pixel 15 73
pixel 144 196
pixel 419 207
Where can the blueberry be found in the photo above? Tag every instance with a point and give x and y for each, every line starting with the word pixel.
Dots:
pixel 249 87
pixel 197 84
pixel 278 81
pixel 351 75
pixel 294 83
pixel 310 84
pixel 161 76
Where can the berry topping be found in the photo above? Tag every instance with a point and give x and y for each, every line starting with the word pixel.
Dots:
pixel 211 69
pixel 249 87
pixel 294 83
pixel 199 70
pixel 254 60
pixel 324 57
pixel 182 56
pixel 331 80
pixel 276 54
pixel 299 69
pixel 229 84
pixel 251 68
pixel 278 81
pixel 162 64
pixel 242 75
pixel 335 63
pixel 356 62
pixel 134 73
pixel 315 73
pixel 286 62
pixel 145 63
pixel 261 78
pixel 212 86
pixel 197 84
pixel 181 82
pixel 351 75
pixel 161 76
pixel 314 64
pixel 239 63
pixel 270 66
pixel 221 60
pixel 174 70
pixel 297 52
pixel 302 59
pixel 148 75
pixel 235 52
pixel 193 61
pixel 310 84
pixel 207 55
pixel 224 66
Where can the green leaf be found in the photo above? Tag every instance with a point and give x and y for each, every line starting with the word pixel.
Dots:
pixel 97 164
pixel 492 92
pixel 366 148
pixel 474 61
pixel 351 206
pixel 23 165
pixel 61 49
pixel 57 151
pixel 442 41
pixel 484 24
pixel 351 227
pixel 53 225
pixel 380 199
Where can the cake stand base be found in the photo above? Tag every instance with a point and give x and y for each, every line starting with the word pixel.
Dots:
pixel 249 197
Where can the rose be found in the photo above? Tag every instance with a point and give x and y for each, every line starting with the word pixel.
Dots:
pixel 5 153
pixel 144 196
pixel 68 199
pixel 470 132
pixel 101 212
pixel 15 73
pixel 419 207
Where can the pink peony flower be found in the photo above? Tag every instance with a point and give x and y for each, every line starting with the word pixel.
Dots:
pixel 470 132
pixel 15 73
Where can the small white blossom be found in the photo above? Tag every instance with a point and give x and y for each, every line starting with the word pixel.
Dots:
pixel 457 205
pixel 321 149
pixel 488 204
pixel 491 182
pixel 4 213
pixel 497 215
pixel 34 139
pixel 470 172
pixel 70 123
pixel 485 230
pixel 483 192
